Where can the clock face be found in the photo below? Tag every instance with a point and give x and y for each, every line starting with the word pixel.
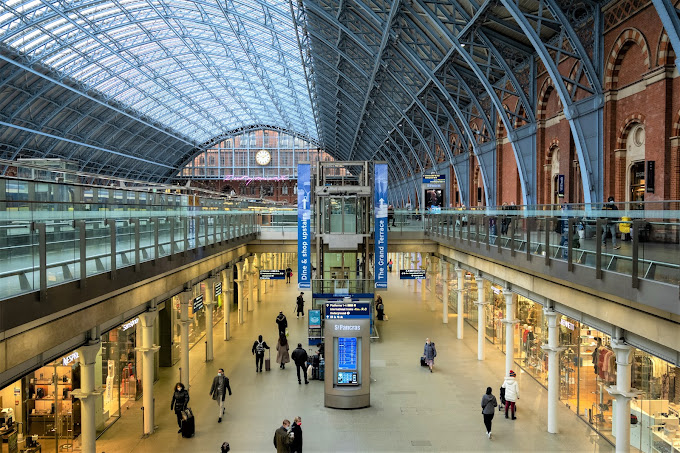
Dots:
pixel 263 157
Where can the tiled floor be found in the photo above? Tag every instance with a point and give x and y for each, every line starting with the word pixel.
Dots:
pixel 411 409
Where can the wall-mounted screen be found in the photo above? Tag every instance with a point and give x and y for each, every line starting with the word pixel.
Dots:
pixel 347 353
pixel 347 378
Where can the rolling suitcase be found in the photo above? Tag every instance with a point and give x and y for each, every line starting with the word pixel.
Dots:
pixel 422 361
pixel 188 423
pixel 268 362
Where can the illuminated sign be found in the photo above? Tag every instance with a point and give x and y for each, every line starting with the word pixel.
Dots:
pixel 218 289
pixel 69 359
pixel 272 274
pixel 347 311
pixel 249 179
pixel 129 324
pixel 434 179
pixel 567 324
pixel 412 274
pixel 198 303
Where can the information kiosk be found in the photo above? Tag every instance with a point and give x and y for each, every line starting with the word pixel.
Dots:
pixel 347 354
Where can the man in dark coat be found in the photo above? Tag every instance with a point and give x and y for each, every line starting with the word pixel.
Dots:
pixel 282 322
pixel 282 440
pixel 218 391
pixel 299 356
pixel 300 305
pixel 296 446
pixel 258 350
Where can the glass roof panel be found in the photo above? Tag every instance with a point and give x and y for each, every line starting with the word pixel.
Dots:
pixel 200 67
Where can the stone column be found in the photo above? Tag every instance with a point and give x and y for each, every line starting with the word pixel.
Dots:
pixel 148 349
pixel 184 299
pixel 400 261
pixel 256 277
pixel 272 265
pixel 554 350
pixel 423 293
pixel 227 291
pixel 414 266
pixel 251 284
pixel 510 322
pixel 444 271
pixel 461 292
pixel 622 393
pixel 263 265
pixel 481 321
pixel 239 286
pixel 87 395
pixel 209 303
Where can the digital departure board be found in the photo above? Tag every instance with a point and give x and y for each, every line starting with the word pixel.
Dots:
pixel 347 353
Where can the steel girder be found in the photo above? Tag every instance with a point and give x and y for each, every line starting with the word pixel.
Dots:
pixel 670 18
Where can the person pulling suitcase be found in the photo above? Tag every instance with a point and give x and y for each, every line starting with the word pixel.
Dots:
pixel 180 401
pixel 258 351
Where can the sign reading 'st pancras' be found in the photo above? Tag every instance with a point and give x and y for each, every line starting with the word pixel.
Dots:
pixel 304 230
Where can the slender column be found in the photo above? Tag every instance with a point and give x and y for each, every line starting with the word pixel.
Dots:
pixel 444 270
pixel 263 265
pixel 239 286
pixel 184 299
pixel 461 293
pixel 400 261
pixel 622 394
pixel 87 395
pixel 272 265
pixel 227 291
pixel 510 322
pixel 251 286
pixel 148 349
pixel 423 295
pixel 414 265
pixel 209 303
pixel 256 277
pixel 554 350
pixel 481 324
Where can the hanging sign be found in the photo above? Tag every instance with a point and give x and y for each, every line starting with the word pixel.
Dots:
pixel 129 324
pixel 69 359
pixel 412 274
pixel 434 179
pixel 304 230
pixel 198 303
pixel 314 318
pixel 273 274
pixel 567 324
pixel 338 310
pixel 560 186
pixel 218 289
pixel 649 182
pixel 380 240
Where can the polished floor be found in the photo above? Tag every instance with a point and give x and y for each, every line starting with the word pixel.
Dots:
pixel 411 409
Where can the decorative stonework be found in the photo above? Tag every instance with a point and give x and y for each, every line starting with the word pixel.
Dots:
pixel 626 39
pixel 636 118
pixel 622 11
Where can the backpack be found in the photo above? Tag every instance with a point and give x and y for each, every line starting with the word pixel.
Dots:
pixel 259 348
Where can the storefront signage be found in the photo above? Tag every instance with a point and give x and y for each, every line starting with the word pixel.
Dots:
pixel 358 310
pixel 249 179
pixel 345 327
pixel 412 274
pixel 304 230
pixel 314 318
pixel 434 179
pixel 69 359
pixel 567 324
pixel 649 182
pixel 560 186
pixel 380 203
pixel 198 303
pixel 218 289
pixel 129 324
pixel 273 274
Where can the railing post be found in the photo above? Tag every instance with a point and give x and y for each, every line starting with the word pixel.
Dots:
pixel 207 232
pixel 637 224
pixel 135 223
pixel 228 219
pixel 528 224
pixel 487 230
pixel 222 219
pixel 512 234
pixel 171 221
pixel 598 248
pixel 197 231
pixel 112 235
pixel 185 221
pixel 80 225
pixel 155 240
pixel 477 218
pixel 570 245
pixel 467 227
pixel 549 222
pixel 42 254
pixel 499 233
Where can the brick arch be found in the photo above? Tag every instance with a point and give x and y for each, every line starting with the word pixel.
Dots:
pixel 546 88
pixel 676 125
pixel 626 39
pixel 554 144
pixel 665 54
pixel 635 118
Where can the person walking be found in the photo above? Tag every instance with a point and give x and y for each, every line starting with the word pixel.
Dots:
pixel 610 224
pixel 258 351
pixel 380 308
pixel 389 265
pixel 300 305
pixel 282 439
pixel 282 322
pixel 289 274
pixel 180 401
pixel 430 353
pixel 296 446
pixel 218 391
pixel 511 393
pixel 300 357
pixel 282 356
pixel 488 409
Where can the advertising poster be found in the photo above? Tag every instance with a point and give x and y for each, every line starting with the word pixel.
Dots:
pixel 304 233
pixel 380 204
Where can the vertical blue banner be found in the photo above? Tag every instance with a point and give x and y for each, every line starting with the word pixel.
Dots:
pixel 304 234
pixel 380 207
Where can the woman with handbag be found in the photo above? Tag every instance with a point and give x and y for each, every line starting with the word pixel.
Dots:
pixel 180 401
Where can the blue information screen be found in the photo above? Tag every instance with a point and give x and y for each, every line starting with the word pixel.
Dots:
pixel 347 377
pixel 347 353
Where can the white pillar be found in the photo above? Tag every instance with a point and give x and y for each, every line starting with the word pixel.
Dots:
pixel 184 299
pixel 227 291
pixel 239 287
pixel 510 322
pixel 251 285
pixel 461 293
pixel 148 349
pixel 423 295
pixel 209 303
pixel 256 277
pixel 481 321
pixel 272 265
pixel 263 265
pixel 414 265
pixel 553 348
pixel 444 270
pixel 400 261
pixel 87 395
pixel 622 393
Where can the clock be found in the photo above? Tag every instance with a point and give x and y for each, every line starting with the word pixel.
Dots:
pixel 263 157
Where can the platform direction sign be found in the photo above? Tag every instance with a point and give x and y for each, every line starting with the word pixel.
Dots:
pixel 412 274
pixel 348 310
pixel 273 274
